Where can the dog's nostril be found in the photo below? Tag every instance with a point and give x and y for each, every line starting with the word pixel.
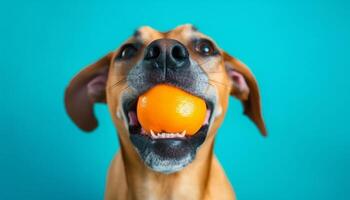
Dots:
pixel 152 52
pixel 179 52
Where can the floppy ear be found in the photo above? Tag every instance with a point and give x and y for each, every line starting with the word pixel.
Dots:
pixel 245 88
pixel 85 89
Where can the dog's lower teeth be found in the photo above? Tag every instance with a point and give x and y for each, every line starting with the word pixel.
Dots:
pixel 167 135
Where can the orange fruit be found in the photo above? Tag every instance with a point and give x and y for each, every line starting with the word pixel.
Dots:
pixel 169 109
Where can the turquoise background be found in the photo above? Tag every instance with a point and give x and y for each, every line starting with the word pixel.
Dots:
pixel 298 50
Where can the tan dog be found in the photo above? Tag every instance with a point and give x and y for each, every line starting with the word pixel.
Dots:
pixel 164 168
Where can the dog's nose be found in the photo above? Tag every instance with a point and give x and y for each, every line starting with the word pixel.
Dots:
pixel 167 54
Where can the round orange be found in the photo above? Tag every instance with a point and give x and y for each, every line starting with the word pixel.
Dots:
pixel 166 108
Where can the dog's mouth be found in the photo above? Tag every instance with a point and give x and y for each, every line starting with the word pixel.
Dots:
pixel 164 151
pixel 135 127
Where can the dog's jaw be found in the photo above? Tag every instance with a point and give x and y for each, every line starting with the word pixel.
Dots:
pixel 156 163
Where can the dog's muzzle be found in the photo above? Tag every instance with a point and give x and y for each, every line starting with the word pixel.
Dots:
pixel 166 61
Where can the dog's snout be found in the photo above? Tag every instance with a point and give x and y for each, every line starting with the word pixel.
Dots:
pixel 167 53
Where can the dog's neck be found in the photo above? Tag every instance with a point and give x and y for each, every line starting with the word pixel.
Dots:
pixel 143 183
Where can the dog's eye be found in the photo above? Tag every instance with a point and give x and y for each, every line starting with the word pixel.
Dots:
pixel 205 47
pixel 127 51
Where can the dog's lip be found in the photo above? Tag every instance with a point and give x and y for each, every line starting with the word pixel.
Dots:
pixel 143 141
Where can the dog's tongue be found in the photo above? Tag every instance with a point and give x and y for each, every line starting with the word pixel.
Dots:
pixel 133 118
pixel 206 121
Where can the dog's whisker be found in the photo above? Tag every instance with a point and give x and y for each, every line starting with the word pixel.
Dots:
pixel 204 62
pixel 215 85
pixel 118 82
pixel 125 88
pixel 211 84
pixel 218 82
pixel 209 71
pixel 214 72
pixel 122 80
pixel 119 74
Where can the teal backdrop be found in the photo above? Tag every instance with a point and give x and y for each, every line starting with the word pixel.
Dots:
pixel 299 52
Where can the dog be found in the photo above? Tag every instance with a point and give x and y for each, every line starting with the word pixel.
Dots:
pixel 164 168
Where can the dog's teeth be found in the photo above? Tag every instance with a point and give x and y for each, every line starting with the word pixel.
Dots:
pixel 167 135
pixel 153 135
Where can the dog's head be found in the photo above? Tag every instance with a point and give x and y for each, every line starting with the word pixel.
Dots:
pixel 182 57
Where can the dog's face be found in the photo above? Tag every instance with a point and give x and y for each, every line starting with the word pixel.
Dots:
pixel 182 57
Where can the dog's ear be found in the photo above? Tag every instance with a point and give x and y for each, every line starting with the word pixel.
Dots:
pixel 245 88
pixel 85 89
